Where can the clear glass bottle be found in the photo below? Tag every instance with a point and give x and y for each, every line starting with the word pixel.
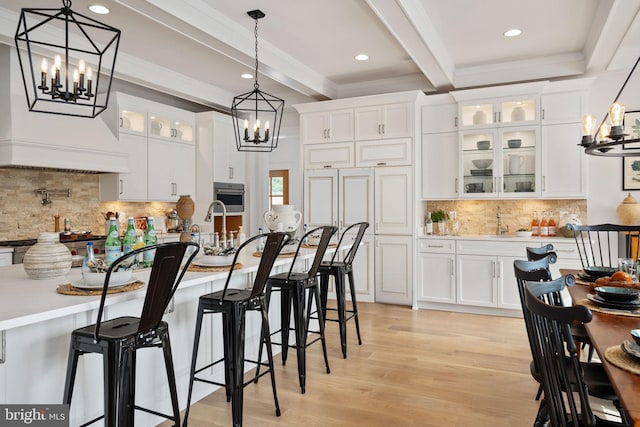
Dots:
pixel 88 256
pixel 552 225
pixel 260 244
pixel 241 236
pixel 112 243
pixel 150 238
pixel 129 237
pixel 544 225
pixel 535 225
pixel 453 219
pixel 428 225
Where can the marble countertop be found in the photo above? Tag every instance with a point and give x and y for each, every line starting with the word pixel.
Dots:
pixel 504 237
pixel 24 301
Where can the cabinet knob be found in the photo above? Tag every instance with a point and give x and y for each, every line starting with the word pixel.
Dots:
pixel 121 186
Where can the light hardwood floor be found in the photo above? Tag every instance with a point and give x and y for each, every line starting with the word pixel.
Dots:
pixel 414 368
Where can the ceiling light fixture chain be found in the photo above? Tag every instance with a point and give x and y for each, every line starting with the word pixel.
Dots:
pixel 259 108
pixel 610 140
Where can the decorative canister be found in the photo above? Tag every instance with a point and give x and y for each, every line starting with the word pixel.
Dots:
pixel 479 118
pixel 185 206
pixel 518 114
pixel 629 211
pixel 47 258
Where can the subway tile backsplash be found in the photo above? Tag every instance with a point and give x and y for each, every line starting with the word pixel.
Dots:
pixel 22 215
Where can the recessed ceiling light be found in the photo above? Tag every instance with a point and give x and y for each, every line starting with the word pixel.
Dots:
pixel 362 57
pixel 247 76
pixel 99 9
pixel 512 32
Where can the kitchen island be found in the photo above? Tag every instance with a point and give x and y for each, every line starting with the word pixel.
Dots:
pixel 36 324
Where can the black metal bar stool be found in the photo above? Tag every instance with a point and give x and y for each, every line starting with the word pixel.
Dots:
pixel 118 339
pixel 233 304
pixel 294 287
pixel 340 269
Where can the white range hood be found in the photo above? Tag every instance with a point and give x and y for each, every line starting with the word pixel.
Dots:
pixel 40 140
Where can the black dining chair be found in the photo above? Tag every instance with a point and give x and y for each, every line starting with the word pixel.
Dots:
pixel 233 304
pixel 566 392
pixel 118 339
pixel 536 253
pixel 294 288
pixel 340 270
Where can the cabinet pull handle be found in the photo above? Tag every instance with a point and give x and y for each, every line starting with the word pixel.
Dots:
pixel 494 184
pixel 499 269
pixel 379 132
pixel 435 246
pixel 455 185
pixel 493 269
pixel 499 116
pixel 121 186
pixel 230 173
pixel 455 121
pixel 328 133
pixel 121 124
pixel 327 166
pixel 383 130
pixel 565 250
pixel 377 226
pixel 495 117
pixel 452 269
pixel 542 113
pixel 381 164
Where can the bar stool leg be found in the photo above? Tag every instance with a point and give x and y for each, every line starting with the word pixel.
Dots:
pixel 194 356
pixel 285 321
pixel 354 305
pixel 237 319
pixel 227 346
pixel 342 315
pixel 72 368
pixel 314 292
pixel 171 377
pixel 324 290
pixel 300 327
pixel 267 334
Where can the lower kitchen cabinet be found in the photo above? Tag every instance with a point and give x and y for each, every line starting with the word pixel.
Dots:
pixel 487 281
pixel 393 269
pixel 6 258
pixel 437 275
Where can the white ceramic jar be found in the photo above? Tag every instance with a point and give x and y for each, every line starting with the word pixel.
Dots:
pixel 47 258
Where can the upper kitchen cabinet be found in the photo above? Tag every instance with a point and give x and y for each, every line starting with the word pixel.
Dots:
pixel 170 170
pixel 218 158
pixel 389 152
pixel 384 121
pixel 328 126
pixel 514 111
pixel 441 117
pixel 328 156
pixel 171 124
pixel 132 120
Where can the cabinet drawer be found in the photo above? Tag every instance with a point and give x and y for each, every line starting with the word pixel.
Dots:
pixel 566 250
pixel 395 152
pixel 484 247
pixel 331 155
pixel 437 246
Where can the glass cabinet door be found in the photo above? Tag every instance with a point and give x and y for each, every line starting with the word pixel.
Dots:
pixel 160 126
pixel 478 115
pixel 132 121
pixel 519 148
pixel 518 112
pixel 478 166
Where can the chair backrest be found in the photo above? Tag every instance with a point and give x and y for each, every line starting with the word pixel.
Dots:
pixel 561 372
pixel 534 254
pixel 272 247
pixel 327 232
pixel 166 274
pixel 601 245
pixel 351 253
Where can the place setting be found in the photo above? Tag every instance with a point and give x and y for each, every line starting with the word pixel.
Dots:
pixel 92 281
pixel 626 355
pixel 214 259
pixel 617 293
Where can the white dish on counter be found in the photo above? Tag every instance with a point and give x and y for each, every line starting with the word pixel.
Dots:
pixel 524 233
pixel 214 260
pixel 81 284
pixel 117 278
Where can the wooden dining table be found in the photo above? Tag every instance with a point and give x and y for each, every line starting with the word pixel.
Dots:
pixel 606 330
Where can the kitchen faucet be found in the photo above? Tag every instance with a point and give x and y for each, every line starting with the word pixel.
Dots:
pixel 499 230
pixel 208 218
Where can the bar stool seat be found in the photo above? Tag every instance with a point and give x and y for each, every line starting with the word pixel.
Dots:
pixel 117 340
pixel 339 270
pixel 294 288
pixel 233 305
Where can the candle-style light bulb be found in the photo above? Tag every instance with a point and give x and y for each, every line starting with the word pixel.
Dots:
pixel 246 130
pixel 43 73
pixel 266 131
pixel 57 61
pixel 616 114
pixel 89 77
pixel 44 66
pixel 588 124
pixel 76 76
pixel 603 133
pixel 81 66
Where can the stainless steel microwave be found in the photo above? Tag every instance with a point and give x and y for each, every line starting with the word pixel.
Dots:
pixel 231 194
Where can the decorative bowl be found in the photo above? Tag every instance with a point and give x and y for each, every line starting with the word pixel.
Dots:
pixel 96 279
pixel 611 293
pixel 215 260
pixel 482 163
pixel 599 271
pixel 514 143
pixel 635 334
pixel 483 145
pixel 524 233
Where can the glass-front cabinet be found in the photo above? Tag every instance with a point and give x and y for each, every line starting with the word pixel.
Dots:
pixel 132 120
pixel 166 126
pixel 512 111
pixel 500 163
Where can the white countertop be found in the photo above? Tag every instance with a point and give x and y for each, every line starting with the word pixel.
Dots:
pixel 24 301
pixel 5 249
pixel 505 237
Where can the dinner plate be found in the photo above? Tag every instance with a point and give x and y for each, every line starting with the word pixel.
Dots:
pixel 630 347
pixel 599 271
pixel 586 277
pixel 81 285
pixel 202 263
pixel 619 305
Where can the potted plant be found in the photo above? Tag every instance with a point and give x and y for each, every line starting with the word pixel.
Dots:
pixel 440 218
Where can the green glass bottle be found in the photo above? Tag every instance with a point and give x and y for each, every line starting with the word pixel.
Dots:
pixel 112 244
pixel 129 237
pixel 150 238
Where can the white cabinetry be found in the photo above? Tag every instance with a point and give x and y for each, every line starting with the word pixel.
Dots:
pixel 228 162
pixel 394 200
pixel 6 258
pixel 440 166
pixel 385 121
pixel 499 112
pixel 332 126
pixel 132 185
pixel 436 271
pixel 329 155
pixel 392 152
pixel 171 170
pixel 393 269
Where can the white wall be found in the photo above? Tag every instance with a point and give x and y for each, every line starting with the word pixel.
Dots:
pixel 605 173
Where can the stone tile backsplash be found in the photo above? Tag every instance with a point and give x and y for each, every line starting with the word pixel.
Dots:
pixel 22 215
pixel 479 216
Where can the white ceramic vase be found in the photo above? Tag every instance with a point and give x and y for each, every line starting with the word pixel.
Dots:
pixel 48 258
pixel 283 218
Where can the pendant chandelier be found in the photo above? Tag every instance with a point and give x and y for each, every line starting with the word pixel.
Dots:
pixel 67 61
pixel 609 139
pixel 258 108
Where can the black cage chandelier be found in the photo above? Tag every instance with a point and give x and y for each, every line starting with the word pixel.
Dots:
pixel 258 109
pixel 610 139
pixel 67 61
